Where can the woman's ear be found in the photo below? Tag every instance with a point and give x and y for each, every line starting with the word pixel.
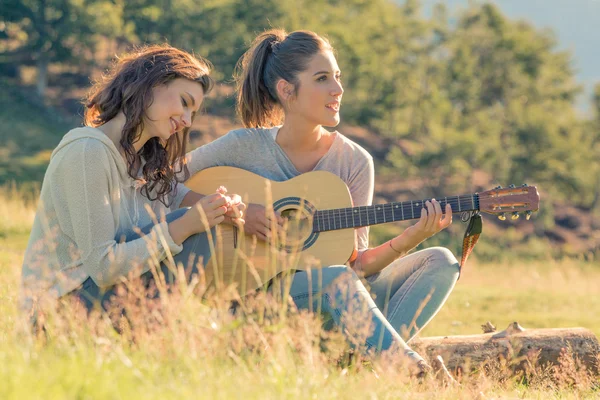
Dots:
pixel 285 90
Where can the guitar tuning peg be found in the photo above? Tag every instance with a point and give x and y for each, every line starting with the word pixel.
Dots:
pixel 502 216
pixel 511 186
pixel 498 187
pixel 528 215
pixel 524 185
pixel 515 215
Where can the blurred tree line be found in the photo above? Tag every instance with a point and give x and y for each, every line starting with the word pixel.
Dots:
pixel 479 91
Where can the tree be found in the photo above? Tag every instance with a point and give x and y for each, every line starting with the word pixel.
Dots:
pixel 492 94
pixel 594 132
pixel 219 30
pixel 41 32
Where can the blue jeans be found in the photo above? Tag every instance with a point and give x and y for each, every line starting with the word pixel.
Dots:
pixel 195 247
pixel 403 297
pixel 411 290
pixel 337 293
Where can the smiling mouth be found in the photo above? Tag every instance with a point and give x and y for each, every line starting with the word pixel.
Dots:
pixel 174 126
pixel 333 106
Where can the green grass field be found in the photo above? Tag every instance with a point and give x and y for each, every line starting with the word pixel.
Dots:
pixel 195 351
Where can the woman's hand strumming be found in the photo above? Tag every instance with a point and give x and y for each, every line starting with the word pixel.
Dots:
pixel 259 223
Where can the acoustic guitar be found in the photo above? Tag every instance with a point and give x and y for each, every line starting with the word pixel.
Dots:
pixel 320 221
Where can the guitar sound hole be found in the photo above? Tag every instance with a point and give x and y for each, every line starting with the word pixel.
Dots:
pixel 298 226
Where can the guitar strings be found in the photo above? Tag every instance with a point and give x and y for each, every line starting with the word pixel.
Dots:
pixel 405 205
pixel 381 213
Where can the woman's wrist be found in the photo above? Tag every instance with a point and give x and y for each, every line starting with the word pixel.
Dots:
pixel 390 242
pixel 181 228
pixel 405 242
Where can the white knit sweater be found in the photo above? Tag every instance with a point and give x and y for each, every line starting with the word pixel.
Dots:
pixel 87 202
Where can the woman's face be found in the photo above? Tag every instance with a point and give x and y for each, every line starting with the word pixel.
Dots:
pixel 319 95
pixel 173 109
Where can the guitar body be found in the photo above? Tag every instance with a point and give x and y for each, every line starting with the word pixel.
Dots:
pixel 250 263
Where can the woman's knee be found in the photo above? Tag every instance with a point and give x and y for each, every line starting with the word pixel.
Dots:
pixel 196 252
pixel 441 257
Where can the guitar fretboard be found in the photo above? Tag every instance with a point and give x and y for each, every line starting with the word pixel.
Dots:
pixel 356 217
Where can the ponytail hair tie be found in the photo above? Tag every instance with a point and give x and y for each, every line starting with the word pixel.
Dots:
pixel 275 46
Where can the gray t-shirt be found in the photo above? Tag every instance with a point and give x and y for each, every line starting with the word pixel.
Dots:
pixel 257 151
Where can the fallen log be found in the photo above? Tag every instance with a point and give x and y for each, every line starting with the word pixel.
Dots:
pixel 515 344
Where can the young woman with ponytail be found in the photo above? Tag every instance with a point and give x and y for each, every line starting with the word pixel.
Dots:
pixel 288 89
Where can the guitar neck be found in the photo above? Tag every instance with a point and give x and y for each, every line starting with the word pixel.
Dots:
pixel 356 217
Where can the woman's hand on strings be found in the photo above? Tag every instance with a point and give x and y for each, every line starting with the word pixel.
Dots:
pixel 259 223
pixel 432 221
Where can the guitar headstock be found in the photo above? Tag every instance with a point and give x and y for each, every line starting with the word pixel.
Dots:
pixel 513 199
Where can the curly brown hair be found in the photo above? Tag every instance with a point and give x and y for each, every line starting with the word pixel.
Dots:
pixel 127 87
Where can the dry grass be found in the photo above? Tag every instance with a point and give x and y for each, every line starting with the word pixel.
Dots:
pixel 186 345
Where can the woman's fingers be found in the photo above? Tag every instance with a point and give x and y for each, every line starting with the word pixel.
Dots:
pixel 212 205
pixel 216 216
pixel 212 197
pixel 279 220
pixel 237 203
pixel 447 219
pixel 235 212
pixel 261 234
pixel 423 218
pixel 431 218
pixel 239 222
pixel 212 202
pixel 267 227
pixel 236 207
pixel 438 209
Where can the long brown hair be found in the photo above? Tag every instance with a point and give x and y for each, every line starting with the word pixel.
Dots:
pixel 127 87
pixel 274 55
